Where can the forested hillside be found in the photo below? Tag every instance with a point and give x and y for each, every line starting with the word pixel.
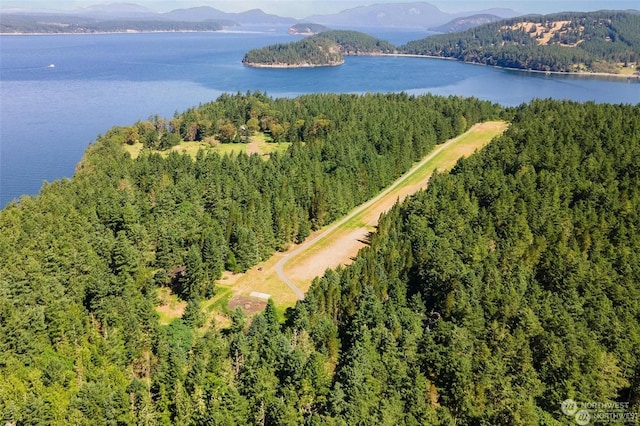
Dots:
pixel 510 285
pixel 81 263
pixel 325 48
pixel 605 41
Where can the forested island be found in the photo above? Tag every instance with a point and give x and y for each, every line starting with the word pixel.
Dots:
pixel 327 48
pixel 508 286
pixel 596 42
pixel 605 42
pixel 307 29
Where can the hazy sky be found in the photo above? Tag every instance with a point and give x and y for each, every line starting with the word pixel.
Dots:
pixel 302 8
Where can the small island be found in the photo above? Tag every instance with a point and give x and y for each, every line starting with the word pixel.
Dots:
pixel 307 29
pixel 327 48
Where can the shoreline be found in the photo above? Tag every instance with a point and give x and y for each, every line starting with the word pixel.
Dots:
pixel 290 66
pixel 225 30
pixel 635 76
pixel 113 32
pixel 582 74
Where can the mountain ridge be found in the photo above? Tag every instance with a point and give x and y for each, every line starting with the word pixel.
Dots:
pixel 410 14
pixel 399 15
pixel 465 23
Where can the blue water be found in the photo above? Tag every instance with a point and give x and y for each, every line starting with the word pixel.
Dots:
pixel 49 115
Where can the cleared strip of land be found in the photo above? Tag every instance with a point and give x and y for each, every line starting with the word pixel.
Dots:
pixel 286 276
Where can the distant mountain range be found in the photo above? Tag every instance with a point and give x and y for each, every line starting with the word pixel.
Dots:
pixel 115 10
pixel 465 23
pixel 254 16
pixel 399 15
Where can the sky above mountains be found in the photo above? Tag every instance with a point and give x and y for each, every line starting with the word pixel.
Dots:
pixel 303 8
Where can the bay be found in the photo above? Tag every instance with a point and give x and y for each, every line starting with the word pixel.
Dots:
pixel 50 114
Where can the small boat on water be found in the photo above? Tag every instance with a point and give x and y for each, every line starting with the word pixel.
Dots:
pixel 51 66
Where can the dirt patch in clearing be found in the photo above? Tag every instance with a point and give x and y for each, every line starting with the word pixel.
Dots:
pixel 170 307
pixel 543 32
pixel 253 148
pixel 342 251
pixel 229 277
pixel 250 305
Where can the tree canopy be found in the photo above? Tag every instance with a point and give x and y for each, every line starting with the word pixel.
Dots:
pixel 508 286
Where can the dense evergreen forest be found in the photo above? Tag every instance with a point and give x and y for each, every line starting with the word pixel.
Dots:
pixel 80 263
pixel 325 48
pixel 510 285
pixel 563 42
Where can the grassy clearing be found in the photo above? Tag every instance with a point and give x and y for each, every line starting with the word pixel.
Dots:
pixel 628 71
pixel 261 278
pixel 133 150
pixel 171 307
pixel 215 310
pixel 219 302
pixel 325 247
pixel 258 144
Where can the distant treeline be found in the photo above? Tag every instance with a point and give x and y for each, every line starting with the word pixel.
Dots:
pixel 10 24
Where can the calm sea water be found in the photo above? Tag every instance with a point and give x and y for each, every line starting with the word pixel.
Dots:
pixel 50 114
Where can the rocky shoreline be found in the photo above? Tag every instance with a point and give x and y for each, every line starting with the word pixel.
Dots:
pixel 287 66
pixel 634 76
